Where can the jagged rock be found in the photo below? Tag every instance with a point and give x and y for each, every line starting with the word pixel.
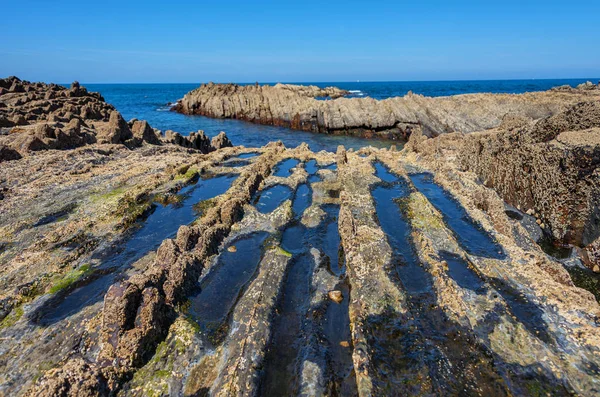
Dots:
pixel 152 322
pixel 198 140
pixel 220 141
pixel 8 82
pixel 120 307
pixel 77 378
pixel 130 341
pixel 7 154
pixel 142 131
pixel 17 87
pixel 135 346
pixel 174 137
pixel 57 115
pixel 187 237
pixel 117 130
pixel 76 90
pixel 588 85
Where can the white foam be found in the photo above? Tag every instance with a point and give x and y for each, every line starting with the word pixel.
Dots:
pixel 355 91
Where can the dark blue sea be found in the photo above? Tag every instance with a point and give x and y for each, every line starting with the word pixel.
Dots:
pixel 150 102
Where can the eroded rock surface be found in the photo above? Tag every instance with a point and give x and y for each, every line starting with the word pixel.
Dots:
pixel 415 312
pixel 370 273
pixel 547 169
pixel 395 118
pixel 38 116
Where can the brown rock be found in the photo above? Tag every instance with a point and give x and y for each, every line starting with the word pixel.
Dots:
pixel 117 130
pixel 120 307
pixel 136 346
pixel 336 296
pixel 554 162
pixel 77 378
pixel 220 141
pixel 199 141
pixel 142 131
pixel 8 154
pixel 396 118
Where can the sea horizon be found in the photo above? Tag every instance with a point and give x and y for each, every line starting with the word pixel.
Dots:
pixel 299 82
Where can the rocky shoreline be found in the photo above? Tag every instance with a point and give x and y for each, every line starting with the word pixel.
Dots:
pixel 302 108
pixel 161 264
pixel 38 116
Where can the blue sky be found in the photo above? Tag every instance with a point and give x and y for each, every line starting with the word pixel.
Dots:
pixel 267 41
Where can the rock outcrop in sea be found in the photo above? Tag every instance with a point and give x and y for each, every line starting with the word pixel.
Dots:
pixel 187 266
pixel 302 108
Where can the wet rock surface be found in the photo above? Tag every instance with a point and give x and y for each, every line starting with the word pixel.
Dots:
pixel 158 271
pixel 370 290
pixel 299 107
pixel 547 170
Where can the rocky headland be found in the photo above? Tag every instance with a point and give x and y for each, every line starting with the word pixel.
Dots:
pixel 172 265
pixel 303 108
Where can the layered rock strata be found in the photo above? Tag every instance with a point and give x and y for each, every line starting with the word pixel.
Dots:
pixel 137 313
pixel 547 168
pixel 515 324
pixel 376 273
pixel 403 341
pixel 395 118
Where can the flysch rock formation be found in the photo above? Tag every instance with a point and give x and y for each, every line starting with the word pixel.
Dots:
pixel 38 116
pixel 164 270
pixel 509 324
pixel 547 169
pixel 301 108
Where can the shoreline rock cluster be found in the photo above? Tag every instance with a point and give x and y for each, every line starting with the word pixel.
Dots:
pixel 38 116
pixel 297 107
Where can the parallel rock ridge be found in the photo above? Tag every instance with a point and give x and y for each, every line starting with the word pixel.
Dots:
pixel 457 322
pixel 38 116
pixel 371 273
pixel 298 107
pixel 549 169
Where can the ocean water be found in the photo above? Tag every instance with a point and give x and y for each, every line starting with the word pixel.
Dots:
pixel 151 102
pixel 383 90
